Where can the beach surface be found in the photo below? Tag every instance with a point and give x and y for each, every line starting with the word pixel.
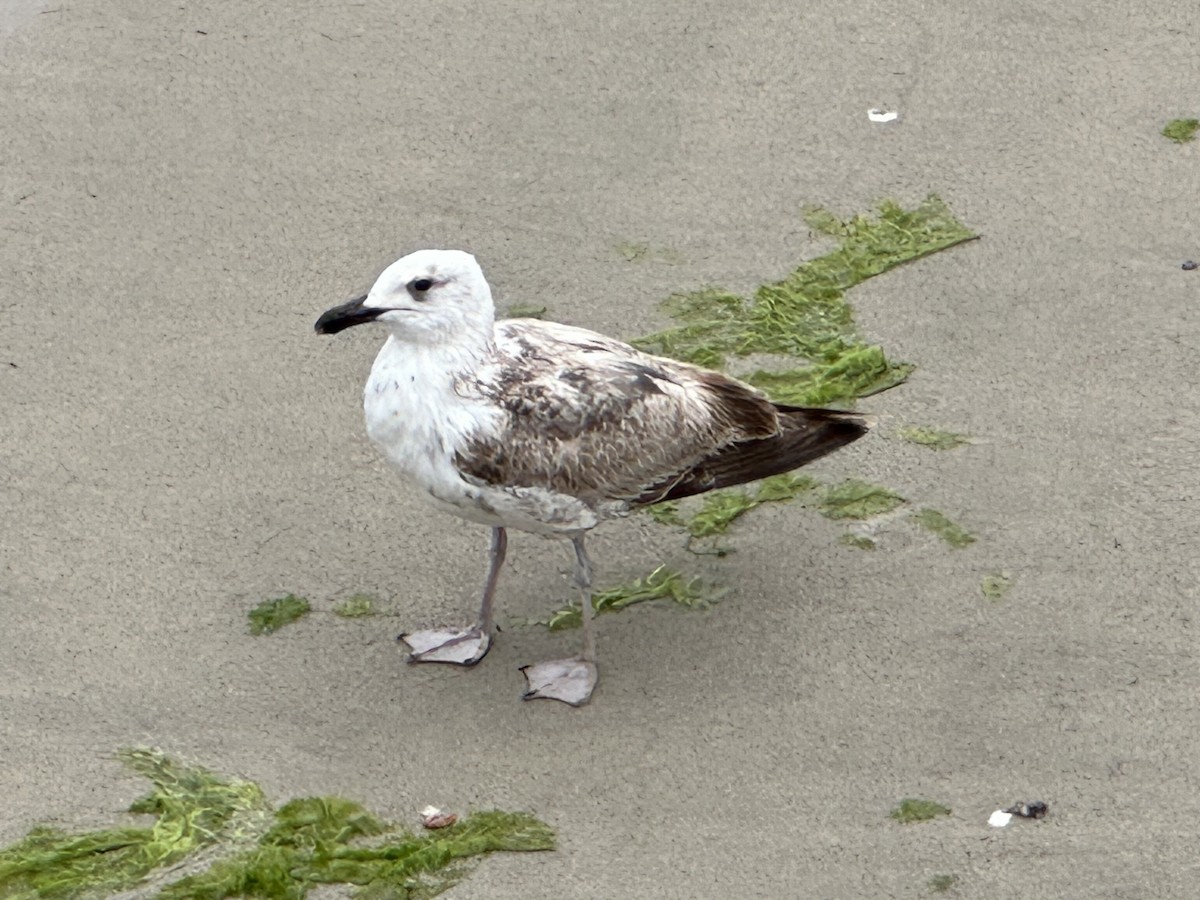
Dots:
pixel 187 186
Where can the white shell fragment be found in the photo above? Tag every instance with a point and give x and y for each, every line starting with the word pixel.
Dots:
pixel 999 818
pixel 882 115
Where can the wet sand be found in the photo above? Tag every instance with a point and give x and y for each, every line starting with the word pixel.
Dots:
pixel 185 189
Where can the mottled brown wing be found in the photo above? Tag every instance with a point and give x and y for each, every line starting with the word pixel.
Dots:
pixel 594 418
pixel 805 435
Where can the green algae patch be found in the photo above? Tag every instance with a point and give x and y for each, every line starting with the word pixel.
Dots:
pixel 858 541
pixel 357 607
pixel 783 487
pixel 639 251
pixel 939 884
pixel 667 513
pixel 525 311
pixel 857 499
pixel 250 849
pixel 721 509
pixel 1181 130
pixel 195 808
pixel 913 810
pixel 954 535
pixel 805 316
pixel 859 372
pixel 311 846
pixel 851 499
pixel 804 324
pixel 933 438
pixel 661 584
pixel 996 585
pixel 271 615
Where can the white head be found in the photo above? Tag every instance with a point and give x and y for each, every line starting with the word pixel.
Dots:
pixel 427 297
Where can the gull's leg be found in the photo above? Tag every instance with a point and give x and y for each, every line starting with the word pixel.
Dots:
pixel 570 680
pixel 464 646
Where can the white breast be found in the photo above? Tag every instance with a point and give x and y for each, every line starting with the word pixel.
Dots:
pixel 416 419
pixel 421 416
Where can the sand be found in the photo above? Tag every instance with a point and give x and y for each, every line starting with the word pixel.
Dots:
pixel 187 186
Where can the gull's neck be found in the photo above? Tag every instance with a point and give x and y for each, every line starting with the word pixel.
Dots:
pixel 419 405
pixel 463 351
pixel 431 368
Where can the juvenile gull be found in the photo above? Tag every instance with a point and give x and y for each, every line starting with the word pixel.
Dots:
pixel 551 429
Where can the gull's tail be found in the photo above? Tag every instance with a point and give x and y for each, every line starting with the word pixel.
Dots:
pixel 804 435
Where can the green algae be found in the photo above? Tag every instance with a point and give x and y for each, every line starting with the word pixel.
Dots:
pixel 858 541
pixel 915 810
pixel 783 487
pixel 1181 130
pixel 666 513
pixel 661 584
pixel 720 509
pixel 525 311
pixel 858 372
pixel 311 845
pixel 954 535
pixel 194 807
pixel 939 884
pixel 805 322
pixel 805 316
pixel 639 251
pixel 933 438
pixel 850 499
pixel 857 499
pixel 995 585
pixel 259 851
pixel 271 615
pixel 357 607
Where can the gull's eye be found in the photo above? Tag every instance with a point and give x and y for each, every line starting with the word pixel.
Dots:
pixel 421 285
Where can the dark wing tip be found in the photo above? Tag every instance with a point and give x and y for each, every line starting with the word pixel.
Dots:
pixel 803 436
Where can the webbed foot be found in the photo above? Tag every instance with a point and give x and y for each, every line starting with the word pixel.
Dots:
pixel 461 647
pixel 569 680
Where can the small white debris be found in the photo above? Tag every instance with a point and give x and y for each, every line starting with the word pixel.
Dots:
pixel 431 811
pixel 999 818
pixel 882 115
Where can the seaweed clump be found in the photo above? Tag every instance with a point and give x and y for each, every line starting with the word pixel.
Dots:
pixel 995 585
pixel 721 508
pixel 310 845
pixel 661 584
pixel 1181 130
pixel 933 438
pixel 195 808
pixel 357 606
pixel 913 810
pixel 857 499
pixel 226 828
pixel 954 535
pixel 271 615
pixel 805 316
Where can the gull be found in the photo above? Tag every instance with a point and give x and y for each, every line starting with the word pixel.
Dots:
pixel 551 429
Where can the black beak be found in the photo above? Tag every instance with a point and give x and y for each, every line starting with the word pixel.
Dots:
pixel 342 317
